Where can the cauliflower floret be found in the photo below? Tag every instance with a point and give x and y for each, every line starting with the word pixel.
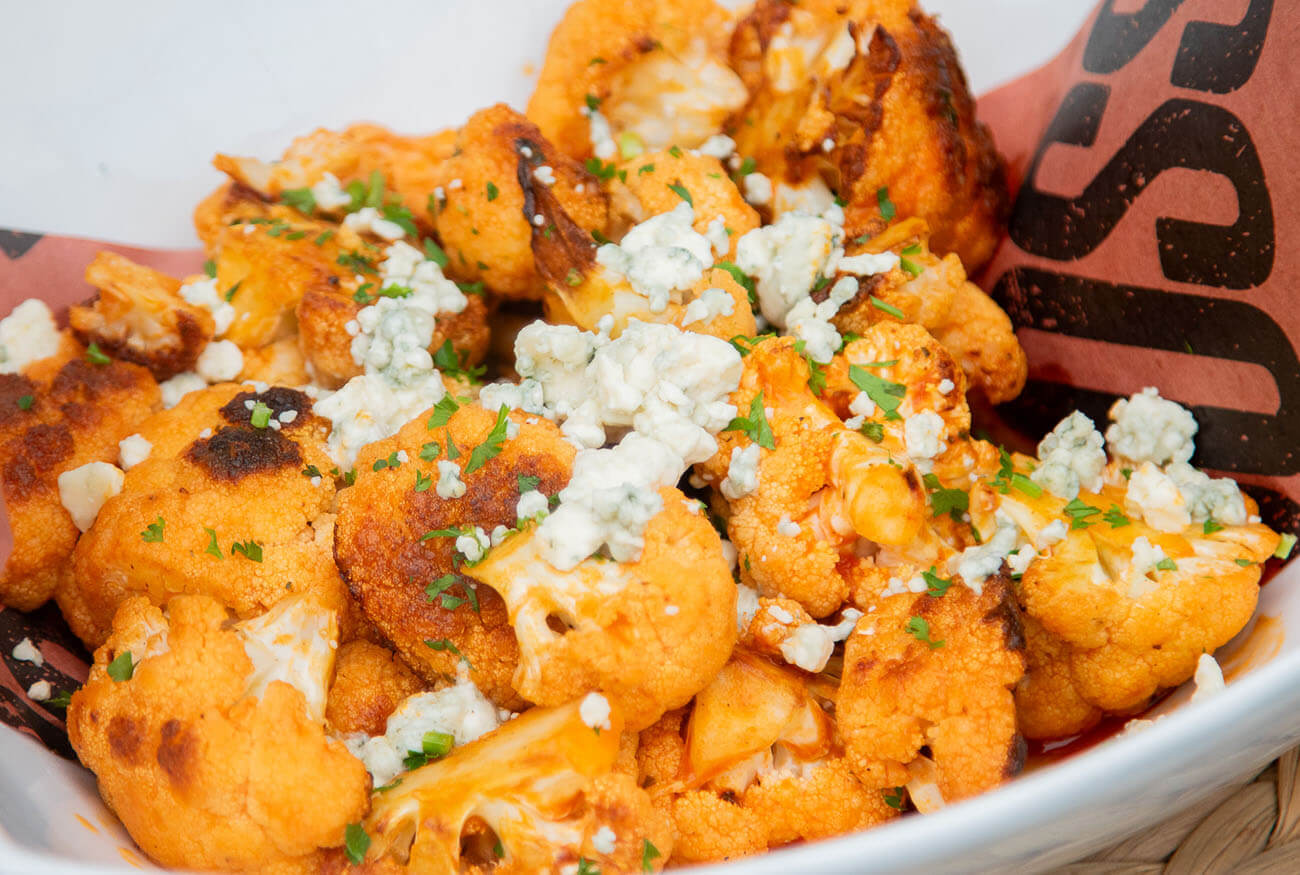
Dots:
pixel 139 316
pixel 935 671
pixel 485 208
pixel 542 789
pixel 230 512
pixel 753 766
pixel 870 95
pixel 370 681
pixel 621 77
pixel 834 484
pixel 65 412
pixel 396 547
pixel 607 625
pixel 227 757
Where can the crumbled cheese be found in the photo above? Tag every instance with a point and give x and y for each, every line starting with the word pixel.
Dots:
pixel 1148 428
pixel 460 711
pixel 976 564
pixel 203 293
pixel 780 614
pixel 730 554
pixel 1052 533
pixel 711 304
pixel 758 189
pixel 946 386
pixel 604 841
pixel 787 527
pixel 1146 556
pixel 27 334
pixel 526 395
pixel 371 220
pixel 1208 678
pixel 812 197
pixel 660 256
pixel 746 606
pixel 1206 497
pixel 1019 560
pixel 923 433
pixel 40 691
pixel 742 472
pixel 179 386
pixel 499 534
pixel 530 504
pixel 787 259
pixel 868 263
pixel 329 194
pixel 132 450
pixel 220 362
pixel 449 483
pixel 544 174
pixel 671 610
pixel 473 545
pixel 84 490
pixel 862 405
pixel 811 644
pixel 810 321
pixel 1071 457
pixel 26 651
pixel 1154 497
pixel 594 711
pixel 602 136
pixel 368 409
pixel 288 416
pixel 718 146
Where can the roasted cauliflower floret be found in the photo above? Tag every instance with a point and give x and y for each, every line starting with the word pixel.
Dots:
pixel 370 681
pixel 934 293
pixel 621 76
pixel 202 735
pixel 756 764
pixel 401 527
pixel 819 485
pixel 935 670
pixel 484 212
pixel 868 97
pixel 62 413
pixel 239 511
pixel 647 633
pixel 541 789
pixel 139 316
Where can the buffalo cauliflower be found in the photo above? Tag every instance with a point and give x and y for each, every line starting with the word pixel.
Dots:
pixel 538 794
pixel 370 682
pixel 202 735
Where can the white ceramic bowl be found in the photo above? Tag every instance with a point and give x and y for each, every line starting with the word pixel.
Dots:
pixel 160 99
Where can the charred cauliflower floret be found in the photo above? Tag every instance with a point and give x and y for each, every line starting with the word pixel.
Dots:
pixel 622 77
pixel 203 735
pixel 934 293
pixel 409 525
pixel 484 213
pixel 370 681
pixel 1123 609
pixel 139 316
pixel 538 794
pixel 648 633
pixel 754 764
pixel 816 485
pixel 233 502
pixel 62 413
pixel 935 670
pixel 868 98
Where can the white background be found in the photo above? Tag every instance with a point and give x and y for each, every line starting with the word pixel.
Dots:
pixel 111 111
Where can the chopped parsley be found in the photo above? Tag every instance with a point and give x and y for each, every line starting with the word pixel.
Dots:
pixel 362 294
pixel 492 190
pixel 873 431
pixel 430 451
pixel 1127 472
pixel 600 238
pixel 681 191
pixel 95 355
pixel 446 645
pixel 755 426
pixel 747 166
pixel 311 471
pixel 61 699
pixel 1244 563
pixel 390 785
pixel 260 416
pixel 433 252
pixel 592 101
pixel 213 549
pixel 645 168
pixel 491 446
pixel 452 363
pixel 945 501
pixel 475 288
pixel 210 268
pixel 586 867
pixel 391 461
pixel 301 199
pixel 1078 512
pixel 453 452
pixel 26 402
pixel 1167 564
pixel 356 842
pixel 919 629
pixel 887 208
pixel 401 216
pixel 355 261
pixel 573 278
pixel 449 532
pixel 250 549
pixel 1211 526
pixel 675 151
pixel 1116 517
pixel 894 798
pixel 887 308
pixel 600 169
pixel 527 483
pixel 442 412
pixel 648 853
pixel 934 584
pixel 230 292
pixel 742 279
pixel 323 237
pixel 153 533
pixel 121 668
pixel 886 395
pixel 422 481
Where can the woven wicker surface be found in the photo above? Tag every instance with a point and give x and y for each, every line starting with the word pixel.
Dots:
pixel 1253 828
